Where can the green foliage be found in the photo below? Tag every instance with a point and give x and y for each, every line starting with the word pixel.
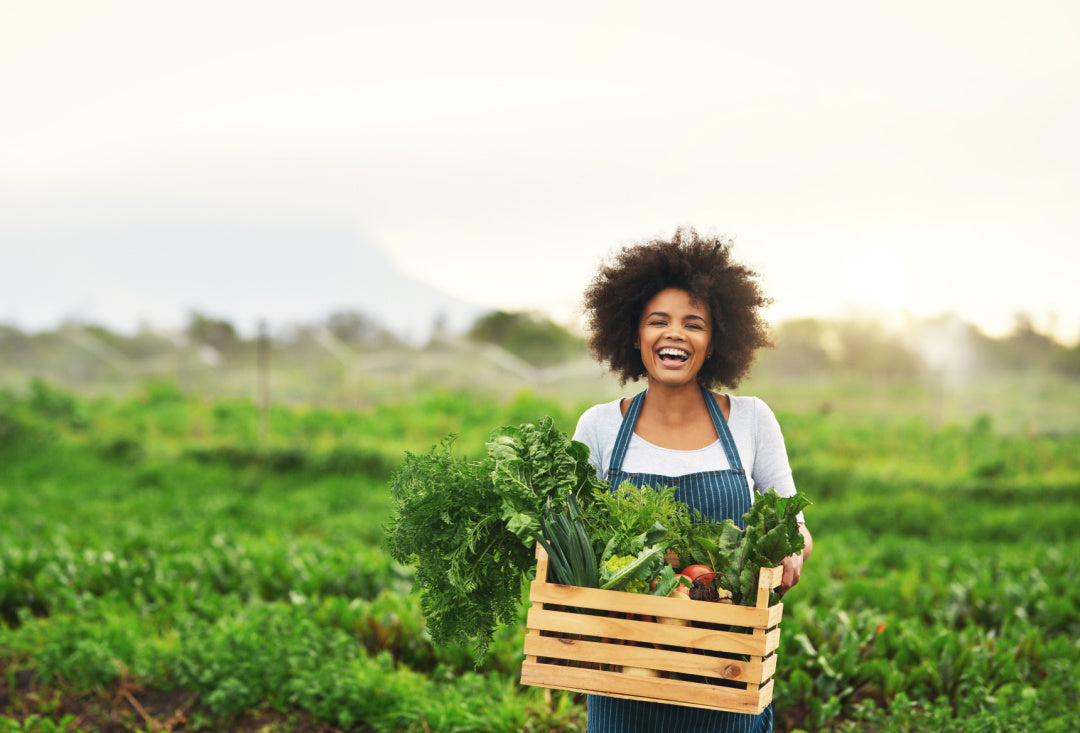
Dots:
pixel 942 594
pixel 470 526
pixel 771 533
pixel 534 338
pixel 35 723
pixel 632 573
pixel 533 465
pixel 447 524
pixel 628 518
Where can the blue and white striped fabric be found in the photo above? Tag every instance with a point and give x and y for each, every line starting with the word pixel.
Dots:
pixel 718 495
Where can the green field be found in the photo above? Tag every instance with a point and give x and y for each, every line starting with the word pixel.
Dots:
pixel 173 563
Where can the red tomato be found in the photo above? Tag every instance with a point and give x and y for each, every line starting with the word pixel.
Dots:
pixel 696 571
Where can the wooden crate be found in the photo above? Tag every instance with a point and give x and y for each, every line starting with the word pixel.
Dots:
pixel 582 640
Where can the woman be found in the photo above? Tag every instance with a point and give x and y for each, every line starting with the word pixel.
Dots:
pixel 685 317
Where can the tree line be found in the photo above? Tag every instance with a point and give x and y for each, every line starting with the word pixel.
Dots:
pixel 944 346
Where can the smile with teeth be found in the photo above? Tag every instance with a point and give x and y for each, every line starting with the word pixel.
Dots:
pixel 670 354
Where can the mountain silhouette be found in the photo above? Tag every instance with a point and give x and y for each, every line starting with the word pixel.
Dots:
pixel 155 270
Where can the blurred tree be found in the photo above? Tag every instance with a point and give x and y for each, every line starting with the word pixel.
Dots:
pixel 1024 348
pixel 148 343
pixel 800 349
pixel 1067 362
pixel 359 330
pixel 218 334
pixel 15 346
pixel 532 337
pixel 866 348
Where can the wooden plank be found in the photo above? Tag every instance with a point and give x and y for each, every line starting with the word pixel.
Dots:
pixel 615 684
pixel 647 605
pixel 647 657
pixel 770 577
pixel 648 632
pixel 768 668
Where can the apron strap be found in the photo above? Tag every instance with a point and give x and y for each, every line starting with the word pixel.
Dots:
pixel 722 430
pixel 629 422
pixel 626 429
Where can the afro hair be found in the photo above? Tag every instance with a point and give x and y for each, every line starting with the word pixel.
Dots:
pixel 703 267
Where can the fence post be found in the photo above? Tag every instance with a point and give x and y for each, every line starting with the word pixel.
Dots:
pixel 263 384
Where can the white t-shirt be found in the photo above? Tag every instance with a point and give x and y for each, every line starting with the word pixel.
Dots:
pixel 752 424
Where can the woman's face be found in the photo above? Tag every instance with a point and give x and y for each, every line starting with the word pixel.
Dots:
pixel 674 337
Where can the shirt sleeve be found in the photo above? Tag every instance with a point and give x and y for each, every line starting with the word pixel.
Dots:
pixel 771 467
pixel 588 431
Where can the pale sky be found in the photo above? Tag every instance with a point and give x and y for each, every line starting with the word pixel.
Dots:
pixel 915 157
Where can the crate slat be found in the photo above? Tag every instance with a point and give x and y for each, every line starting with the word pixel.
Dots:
pixel 616 684
pixel 582 651
pixel 650 632
pixel 641 603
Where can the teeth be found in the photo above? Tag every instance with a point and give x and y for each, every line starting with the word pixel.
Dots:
pixel 677 353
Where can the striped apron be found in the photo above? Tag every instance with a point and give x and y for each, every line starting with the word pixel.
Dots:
pixel 718 495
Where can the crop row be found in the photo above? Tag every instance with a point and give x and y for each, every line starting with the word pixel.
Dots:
pixel 942 595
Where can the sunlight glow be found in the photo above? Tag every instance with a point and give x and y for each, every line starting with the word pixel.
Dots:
pixel 878 278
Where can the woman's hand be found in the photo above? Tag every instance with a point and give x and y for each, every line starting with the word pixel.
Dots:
pixel 793 564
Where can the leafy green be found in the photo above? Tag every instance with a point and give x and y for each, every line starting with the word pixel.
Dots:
pixel 619 517
pixel 667 581
pixel 535 463
pixel 467 565
pixel 737 555
pixel 470 526
pixel 632 573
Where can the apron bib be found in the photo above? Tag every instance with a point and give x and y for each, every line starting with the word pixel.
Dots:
pixel 718 495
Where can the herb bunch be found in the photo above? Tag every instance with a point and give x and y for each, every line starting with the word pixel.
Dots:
pixel 618 517
pixel 470 526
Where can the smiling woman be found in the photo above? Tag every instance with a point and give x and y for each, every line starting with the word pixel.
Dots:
pixel 674 337
pixel 687 317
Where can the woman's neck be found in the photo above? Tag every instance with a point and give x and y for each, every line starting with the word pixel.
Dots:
pixel 676 418
pixel 674 402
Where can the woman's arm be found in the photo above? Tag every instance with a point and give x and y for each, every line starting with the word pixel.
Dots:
pixel 793 564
